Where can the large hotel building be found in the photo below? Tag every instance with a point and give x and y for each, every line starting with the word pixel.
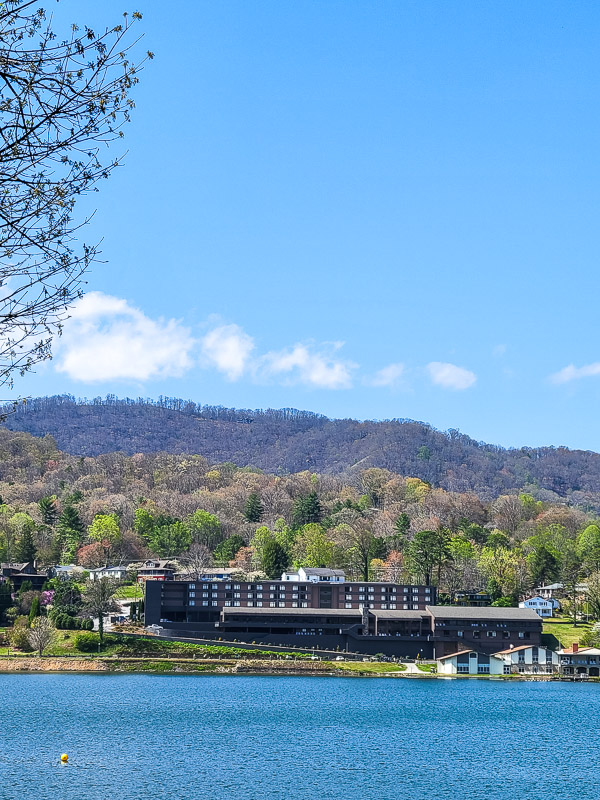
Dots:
pixel 317 607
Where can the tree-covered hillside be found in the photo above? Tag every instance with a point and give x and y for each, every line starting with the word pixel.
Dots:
pixel 372 522
pixel 286 440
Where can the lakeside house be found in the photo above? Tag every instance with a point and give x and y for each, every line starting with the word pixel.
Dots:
pixel 524 660
pixel 528 660
pixel 582 661
pixel 470 662
pixel 541 606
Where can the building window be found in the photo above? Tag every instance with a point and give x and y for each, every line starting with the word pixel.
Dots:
pixel 259 604
pixel 460 634
pixel 236 594
pixel 348 605
pixel 393 606
pixel 236 586
pixel 192 602
pixel 214 602
pixel 227 603
pixel 228 586
pixel 192 586
pixel 294 604
pixel 506 669
pixel 236 603
pixel 191 594
pixel 521 634
pixel 383 606
pixel 204 594
pixel 405 606
pixel 281 605
pixel 272 587
pixel 215 586
pixel 259 586
pixel 205 602
pixel 483 669
pixel 251 602
pixel 303 605
pixel 462 668
pixel 476 635
pixel 491 634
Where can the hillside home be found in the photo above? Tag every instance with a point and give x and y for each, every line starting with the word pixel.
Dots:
pixel 22 573
pixel 154 570
pixel 116 573
pixel 542 607
pixel 315 575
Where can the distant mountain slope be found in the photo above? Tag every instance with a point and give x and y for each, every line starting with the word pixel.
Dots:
pixel 289 441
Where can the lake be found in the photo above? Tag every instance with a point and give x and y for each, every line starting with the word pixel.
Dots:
pixel 133 737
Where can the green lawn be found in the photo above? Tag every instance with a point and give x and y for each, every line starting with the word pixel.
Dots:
pixel 426 667
pixel 130 592
pixel 566 632
pixel 372 667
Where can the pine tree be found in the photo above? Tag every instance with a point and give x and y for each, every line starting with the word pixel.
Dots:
pixel 274 559
pixel 306 510
pixel 49 510
pixel 35 610
pixel 26 549
pixel 254 508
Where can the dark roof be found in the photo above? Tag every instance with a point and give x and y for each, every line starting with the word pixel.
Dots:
pixel 520 647
pixel 488 612
pixel 458 653
pixel 376 612
pixel 321 612
pixel 322 571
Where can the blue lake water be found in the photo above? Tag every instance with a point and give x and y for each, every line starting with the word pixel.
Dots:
pixel 133 737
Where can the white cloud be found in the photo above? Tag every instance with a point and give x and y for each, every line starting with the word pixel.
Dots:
pixel 315 368
pixel 572 372
pixel 450 376
pixel 228 348
pixel 107 339
pixel 388 376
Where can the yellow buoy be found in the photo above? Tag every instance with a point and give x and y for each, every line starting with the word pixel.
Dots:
pixel 64 758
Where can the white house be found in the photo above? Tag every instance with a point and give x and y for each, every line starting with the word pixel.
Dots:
pixel 470 662
pixel 118 573
pixel 529 660
pixel 315 575
pixel 541 606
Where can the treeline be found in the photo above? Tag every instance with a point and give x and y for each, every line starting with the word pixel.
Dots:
pixel 373 523
pixel 287 441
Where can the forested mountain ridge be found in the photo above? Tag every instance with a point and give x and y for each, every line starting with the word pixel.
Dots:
pixel 287 441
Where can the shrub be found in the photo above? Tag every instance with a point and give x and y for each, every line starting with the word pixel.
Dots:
pixel 19 635
pixel 87 642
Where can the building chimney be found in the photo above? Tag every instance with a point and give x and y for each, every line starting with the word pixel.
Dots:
pixel 575 647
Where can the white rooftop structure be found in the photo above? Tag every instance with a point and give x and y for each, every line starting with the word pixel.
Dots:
pixel 315 575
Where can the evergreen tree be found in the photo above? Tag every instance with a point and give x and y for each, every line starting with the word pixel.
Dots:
pixel 226 551
pixel 254 508
pixel 70 521
pixel 35 610
pixel 49 510
pixel 306 510
pixel 274 559
pixel 26 549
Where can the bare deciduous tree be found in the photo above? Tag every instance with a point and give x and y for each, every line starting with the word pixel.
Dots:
pixel 62 99
pixel 42 634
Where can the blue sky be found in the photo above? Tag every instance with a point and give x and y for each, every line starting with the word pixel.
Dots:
pixel 366 209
